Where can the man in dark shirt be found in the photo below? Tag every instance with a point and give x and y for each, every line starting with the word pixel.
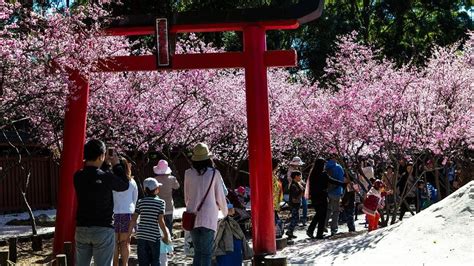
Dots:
pixel 94 219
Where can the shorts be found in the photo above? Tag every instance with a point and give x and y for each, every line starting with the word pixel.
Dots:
pixel 121 222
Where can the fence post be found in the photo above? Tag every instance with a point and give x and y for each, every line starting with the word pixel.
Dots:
pixel 12 249
pixel 69 250
pixel 3 257
pixel 61 260
pixel 37 243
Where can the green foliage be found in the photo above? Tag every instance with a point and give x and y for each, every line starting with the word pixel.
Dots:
pixel 404 30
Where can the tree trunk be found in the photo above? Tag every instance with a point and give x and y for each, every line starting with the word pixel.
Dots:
pixel 446 180
pixel 438 185
pixel 395 194
pixel 30 213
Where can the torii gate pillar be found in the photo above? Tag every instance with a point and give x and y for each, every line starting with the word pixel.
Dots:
pixel 260 156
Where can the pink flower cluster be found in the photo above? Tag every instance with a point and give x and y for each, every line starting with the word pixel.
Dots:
pixel 370 106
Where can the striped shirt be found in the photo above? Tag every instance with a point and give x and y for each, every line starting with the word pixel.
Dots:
pixel 149 209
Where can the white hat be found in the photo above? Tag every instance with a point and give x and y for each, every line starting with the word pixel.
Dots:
pixel 296 161
pixel 162 168
pixel 151 183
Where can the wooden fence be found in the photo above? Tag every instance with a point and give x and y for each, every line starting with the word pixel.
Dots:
pixel 43 184
pixel 42 190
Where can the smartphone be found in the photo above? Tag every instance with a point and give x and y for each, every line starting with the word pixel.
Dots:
pixel 110 152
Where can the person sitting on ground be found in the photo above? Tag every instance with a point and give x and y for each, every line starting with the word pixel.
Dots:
pixel 95 204
pixel 150 210
pixel 170 183
pixel 296 194
pixel 373 202
pixel 124 207
pixel 242 195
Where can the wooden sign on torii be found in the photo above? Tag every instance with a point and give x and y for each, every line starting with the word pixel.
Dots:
pixel 254 58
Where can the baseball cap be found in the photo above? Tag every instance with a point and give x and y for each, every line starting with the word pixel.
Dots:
pixel 151 183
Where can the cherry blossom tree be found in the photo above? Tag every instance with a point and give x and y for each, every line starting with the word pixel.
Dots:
pixel 370 106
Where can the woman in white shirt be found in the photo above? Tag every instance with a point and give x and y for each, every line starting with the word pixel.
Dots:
pixel 124 207
pixel 197 181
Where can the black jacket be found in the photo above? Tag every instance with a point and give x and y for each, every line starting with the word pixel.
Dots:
pixel 95 204
pixel 318 188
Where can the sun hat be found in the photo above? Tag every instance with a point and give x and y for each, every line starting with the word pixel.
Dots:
pixel 296 161
pixel 201 152
pixel 151 183
pixel 162 168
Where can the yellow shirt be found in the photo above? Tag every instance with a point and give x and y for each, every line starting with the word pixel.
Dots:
pixel 277 193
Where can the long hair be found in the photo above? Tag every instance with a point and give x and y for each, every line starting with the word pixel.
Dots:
pixel 201 166
pixel 126 166
pixel 318 169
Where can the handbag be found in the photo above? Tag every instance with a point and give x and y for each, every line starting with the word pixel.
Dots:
pixel 189 217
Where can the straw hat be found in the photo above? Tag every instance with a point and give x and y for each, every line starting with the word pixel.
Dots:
pixel 201 152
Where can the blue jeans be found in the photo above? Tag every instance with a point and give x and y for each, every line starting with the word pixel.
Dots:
pixel 295 216
pixel 97 242
pixel 202 241
pixel 304 207
pixel 349 215
pixel 148 252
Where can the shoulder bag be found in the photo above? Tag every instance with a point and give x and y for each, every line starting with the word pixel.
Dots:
pixel 190 217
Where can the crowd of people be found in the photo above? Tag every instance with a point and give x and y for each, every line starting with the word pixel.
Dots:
pixel 109 210
pixel 339 194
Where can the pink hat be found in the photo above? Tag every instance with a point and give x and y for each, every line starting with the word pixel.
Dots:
pixel 162 168
pixel 241 190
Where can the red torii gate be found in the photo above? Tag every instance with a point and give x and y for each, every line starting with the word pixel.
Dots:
pixel 254 59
